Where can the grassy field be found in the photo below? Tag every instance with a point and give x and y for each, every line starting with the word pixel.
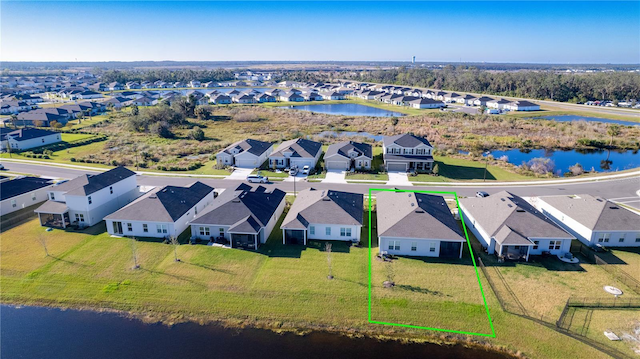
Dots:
pixel 457 169
pixel 277 286
pixel 592 323
pixel 549 110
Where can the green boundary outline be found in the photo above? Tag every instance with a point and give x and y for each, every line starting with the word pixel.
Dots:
pixel 475 267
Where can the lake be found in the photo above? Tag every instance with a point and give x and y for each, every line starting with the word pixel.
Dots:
pixel 346 109
pixel 619 160
pixel 33 332
pixel 572 118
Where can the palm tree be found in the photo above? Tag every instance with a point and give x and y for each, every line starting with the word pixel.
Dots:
pixel 613 130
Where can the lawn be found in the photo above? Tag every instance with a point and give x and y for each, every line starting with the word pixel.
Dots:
pixel 593 322
pixel 278 286
pixel 69 137
pixel 367 176
pixel 549 110
pixel 458 169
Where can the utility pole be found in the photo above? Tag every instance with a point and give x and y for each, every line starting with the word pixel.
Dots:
pixel 486 163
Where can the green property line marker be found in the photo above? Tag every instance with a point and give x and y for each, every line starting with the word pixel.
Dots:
pixel 475 267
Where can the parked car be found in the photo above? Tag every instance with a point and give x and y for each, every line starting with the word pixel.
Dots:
pixel 1 166
pixel 482 194
pixel 305 170
pixel 293 171
pixel 257 179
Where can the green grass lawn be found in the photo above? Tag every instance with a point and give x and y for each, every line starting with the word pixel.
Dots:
pixel 278 286
pixel 367 176
pixel 458 169
pixel 593 322
pixel 549 110
pixel 68 137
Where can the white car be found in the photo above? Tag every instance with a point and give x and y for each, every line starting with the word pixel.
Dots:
pixel 257 179
pixel 305 170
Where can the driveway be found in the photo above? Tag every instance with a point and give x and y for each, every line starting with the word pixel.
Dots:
pixel 335 176
pixel 240 174
pixel 398 179
pixel 299 177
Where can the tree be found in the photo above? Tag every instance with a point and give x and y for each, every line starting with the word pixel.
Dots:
pixel 175 243
pixel 394 121
pixel 613 131
pixel 436 169
pixel 196 134
pixel 135 111
pixel 327 248
pixel 202 113
pixel 14 120
pixel 161 129
pixel 576 169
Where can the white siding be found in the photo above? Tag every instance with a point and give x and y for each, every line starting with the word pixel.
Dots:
pixel 321 232
pixel 423 247
pixel 23 200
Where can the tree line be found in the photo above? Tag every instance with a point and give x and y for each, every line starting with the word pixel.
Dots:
pixel 166 75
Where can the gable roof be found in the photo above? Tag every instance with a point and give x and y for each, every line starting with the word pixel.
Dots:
pixel 243 209
pixel 86 185
pixel 300 147
pixel 505 209
pixel 416 215
pixel 595 213
pixel 18 186
pixel 325 206
pixel 343 148
pixel 405 140
pixel 166 204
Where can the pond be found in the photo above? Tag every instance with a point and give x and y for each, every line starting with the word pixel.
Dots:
pixel 599 160
pixel 346 109
pixel 572 118
pixel 33 332
pixel 351 134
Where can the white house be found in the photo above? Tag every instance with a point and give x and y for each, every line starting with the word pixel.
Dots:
pixel 593 220
pixel 161 213
pixel 425 103
pixel 22 192
pixel 522 106
pixel 298 153
pixel 87 199
pixel 346 155
pixel 417 224
pixel 323 215
pixel 247 153
pixel 407 152
pixel 498 104
pixel 242 218
pixel 509 227
pixel 27 138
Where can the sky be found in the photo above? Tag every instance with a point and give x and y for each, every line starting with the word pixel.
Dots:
pixel 433 31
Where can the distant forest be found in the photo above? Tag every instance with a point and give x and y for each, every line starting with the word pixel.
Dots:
pixel 183 75
pixel 565 87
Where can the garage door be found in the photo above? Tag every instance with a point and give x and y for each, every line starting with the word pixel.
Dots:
pixel 245 163
pixel 336 165
pixel 397 167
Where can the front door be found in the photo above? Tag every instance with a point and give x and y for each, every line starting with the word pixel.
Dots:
pixel 117 227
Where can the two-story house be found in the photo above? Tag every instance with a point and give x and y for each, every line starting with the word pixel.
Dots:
pixel 86 200
pixel 407 153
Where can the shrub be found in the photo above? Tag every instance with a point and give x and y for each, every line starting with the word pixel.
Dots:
pixel 196 134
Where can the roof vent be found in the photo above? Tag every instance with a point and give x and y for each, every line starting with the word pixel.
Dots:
pixel 502 199
pixel 419 211
pixel 326 198
pixel 614 207
pixel 519 210
pixel 236 200
pixel 412 204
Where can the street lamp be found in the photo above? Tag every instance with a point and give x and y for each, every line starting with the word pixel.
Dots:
pixel 486 163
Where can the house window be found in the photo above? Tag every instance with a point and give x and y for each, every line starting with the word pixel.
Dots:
pixel 554 245
pixel 89 198
pixel 327 231
pixel 111 189
pixel 621 239
pixel 145 228
pixel 162 228
pixel 79 217
pixel 129 227
pixel 52 196
pixel 535 244
pixel 204 231
pixel 394 245
pixel 33 196
pixel 414 246
pixel 604 237
pixel 312 230
pixel 637 238
pixel 13 203
pixel 432 247
pixel 345 232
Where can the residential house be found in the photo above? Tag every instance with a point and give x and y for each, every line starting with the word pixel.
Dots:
pixel 509 227
pixel 333 95
pixel 244 217
pixel 118 101
pixel 22 192
pixel 263 97
pixel 425 103
pixel 195 83
pixel 522 106
pixel 323 215
pixel 466 99
pixel 87 199
pixel 290 97
pixel 247 153
pixel 407 153
pixel 347 155
pixel 498 104
pixel 221 99
pixel 296 153
pixel 595 221
pixel 26 138
pixel 114 86
pixel 452 97
pixel 144 101
pixel 417 224
pixel 482 101
pixel 161 213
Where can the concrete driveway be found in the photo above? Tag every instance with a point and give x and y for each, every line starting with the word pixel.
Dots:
pixel 398 179
pixel 335 176
pixel 240 174
pixel 299 177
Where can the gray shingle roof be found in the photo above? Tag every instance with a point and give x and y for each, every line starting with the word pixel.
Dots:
pixel 97 182
pixel 250 145
pixel 416 215
pixel 300 147
pixel 24 134
pixel 326 207
pixel 166 204
pixel 405 140
pixel 505 209
pixel 18 186
pixel 595 213
pixel 343 148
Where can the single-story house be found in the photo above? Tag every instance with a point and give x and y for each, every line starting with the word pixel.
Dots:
pixel 417 224
pixel 595 221
pixel 498 104
pixel 323 215
pixel 22 192
pixel 244 217
pixel 522 106
pixel 425 103
pixel 298 153
pixel 27 138
pixel 347 155
pixel 161 213
pixel 482 101
pixel 509 227
pixel 247 153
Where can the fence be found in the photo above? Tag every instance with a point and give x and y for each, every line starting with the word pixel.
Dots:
pixel 618 274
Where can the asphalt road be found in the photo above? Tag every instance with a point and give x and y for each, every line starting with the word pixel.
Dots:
pixel 623 190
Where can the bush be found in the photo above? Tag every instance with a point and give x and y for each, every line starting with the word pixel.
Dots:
pixel 196 134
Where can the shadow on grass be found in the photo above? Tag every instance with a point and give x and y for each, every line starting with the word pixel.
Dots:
pixel 282 250
pixel 463 172
pixel 336 246
pixel 415 289
pixel 182 278
pixel 209 268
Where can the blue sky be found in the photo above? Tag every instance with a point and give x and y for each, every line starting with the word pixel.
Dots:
pixel 503 31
